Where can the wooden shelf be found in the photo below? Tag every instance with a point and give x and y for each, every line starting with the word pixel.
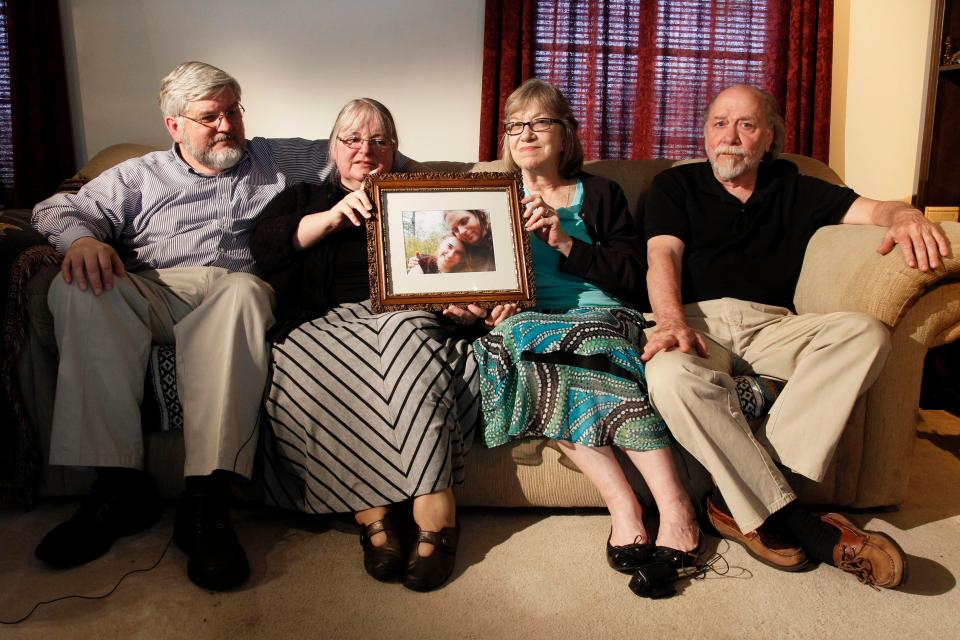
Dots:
pixel 939 182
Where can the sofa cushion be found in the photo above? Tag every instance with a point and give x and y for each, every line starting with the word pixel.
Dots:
pixel 109 157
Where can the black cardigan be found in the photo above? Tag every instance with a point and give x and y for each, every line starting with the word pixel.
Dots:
pixel 309 281
pixel 616 261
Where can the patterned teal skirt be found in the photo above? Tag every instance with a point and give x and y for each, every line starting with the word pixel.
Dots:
pixel 574 376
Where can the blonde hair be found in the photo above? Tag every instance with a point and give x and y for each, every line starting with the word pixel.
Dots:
pixel 546 96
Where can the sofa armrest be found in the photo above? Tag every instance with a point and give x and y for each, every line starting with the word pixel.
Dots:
pixel 23 253
pixel 842 271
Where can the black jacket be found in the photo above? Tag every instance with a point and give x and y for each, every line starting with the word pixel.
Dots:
pixel 308 282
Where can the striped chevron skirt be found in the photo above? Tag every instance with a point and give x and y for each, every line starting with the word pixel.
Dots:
pixel 367 410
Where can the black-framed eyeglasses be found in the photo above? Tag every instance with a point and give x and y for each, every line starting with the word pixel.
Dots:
pixel 233 114
pixel 379 143
pixel 538 125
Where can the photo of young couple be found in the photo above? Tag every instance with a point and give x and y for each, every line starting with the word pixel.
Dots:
pixel 448 241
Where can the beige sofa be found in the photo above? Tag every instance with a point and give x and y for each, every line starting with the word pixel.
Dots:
pixel 841 271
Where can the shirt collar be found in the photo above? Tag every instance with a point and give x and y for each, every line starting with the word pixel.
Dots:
pixel 769 180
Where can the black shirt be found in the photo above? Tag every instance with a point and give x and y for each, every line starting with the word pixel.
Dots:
pixel 753 250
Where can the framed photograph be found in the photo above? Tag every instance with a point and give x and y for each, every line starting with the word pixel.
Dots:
pixel 447 238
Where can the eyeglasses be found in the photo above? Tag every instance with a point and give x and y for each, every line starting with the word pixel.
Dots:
pixel 538 125
pixel 212 120
pixel 378 143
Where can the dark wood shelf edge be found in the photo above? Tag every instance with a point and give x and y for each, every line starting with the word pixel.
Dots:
pixel 938 179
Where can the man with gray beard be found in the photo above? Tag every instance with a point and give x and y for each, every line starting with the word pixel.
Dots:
pixel 156 250
pixel 725 242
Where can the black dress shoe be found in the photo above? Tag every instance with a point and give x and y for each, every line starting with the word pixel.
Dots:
pixel 204 532
pixel 628 558
pixel 110 511
pixel 426 573
pixel 384 563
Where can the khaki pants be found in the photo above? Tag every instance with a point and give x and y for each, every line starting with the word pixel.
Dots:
pixel 218 320
pixel 829 360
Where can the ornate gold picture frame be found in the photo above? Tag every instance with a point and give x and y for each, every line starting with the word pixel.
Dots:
pixel 447 238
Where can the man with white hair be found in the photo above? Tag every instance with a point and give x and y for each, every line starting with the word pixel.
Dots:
pixel 725 242
pixel 155 249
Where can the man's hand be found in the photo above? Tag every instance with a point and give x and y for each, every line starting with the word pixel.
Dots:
pixel 91 263
pixel 674 335
pixel 921 242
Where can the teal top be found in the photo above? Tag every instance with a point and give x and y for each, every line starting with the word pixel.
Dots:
pixel 555 289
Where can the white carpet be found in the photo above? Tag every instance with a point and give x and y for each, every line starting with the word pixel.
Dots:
pixel 529 574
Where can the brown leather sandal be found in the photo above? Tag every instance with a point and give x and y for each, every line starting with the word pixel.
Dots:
pixel 426 573
pixel 385 563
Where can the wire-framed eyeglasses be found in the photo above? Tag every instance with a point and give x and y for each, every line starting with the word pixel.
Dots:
pixel 354 141
pixel 538 125
pixel 233 114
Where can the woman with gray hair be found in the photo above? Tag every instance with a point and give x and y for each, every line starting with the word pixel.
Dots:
pixel 367 411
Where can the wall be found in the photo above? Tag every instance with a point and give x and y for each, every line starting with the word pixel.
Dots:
pixel 298 62
pixel 422 58
pixel 880 60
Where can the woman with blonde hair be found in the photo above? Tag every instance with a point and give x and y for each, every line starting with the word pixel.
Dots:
pixel 570 370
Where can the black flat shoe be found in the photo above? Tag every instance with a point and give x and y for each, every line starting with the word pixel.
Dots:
pixel 384 563
pixel 426 573
pixel 628 558
pixel 676 559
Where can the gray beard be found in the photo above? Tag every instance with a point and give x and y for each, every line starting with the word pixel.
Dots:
pixel 219 160
pixel 727 170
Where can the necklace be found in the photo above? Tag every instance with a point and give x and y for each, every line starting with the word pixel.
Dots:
pixel 565 192
pixel 570 189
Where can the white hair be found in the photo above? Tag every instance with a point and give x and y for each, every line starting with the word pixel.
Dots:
pixel 192 81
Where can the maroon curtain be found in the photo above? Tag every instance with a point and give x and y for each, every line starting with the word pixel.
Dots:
pixel 42 135
pixel 508 46
pixel 782 46
pixel 588 49
pixel 639 73
pixel 802 82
